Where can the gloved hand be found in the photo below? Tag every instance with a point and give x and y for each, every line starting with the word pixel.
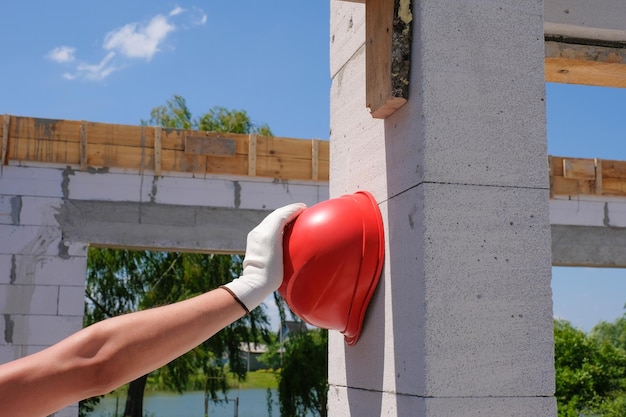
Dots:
pixel 263 263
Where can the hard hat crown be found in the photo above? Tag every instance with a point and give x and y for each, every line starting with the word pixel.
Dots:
pixel 333 255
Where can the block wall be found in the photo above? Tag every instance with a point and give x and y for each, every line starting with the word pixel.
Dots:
pixel 50 215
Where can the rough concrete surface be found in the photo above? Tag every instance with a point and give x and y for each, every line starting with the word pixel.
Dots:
pixel 461 323
pixel 601 20
pixel 344 401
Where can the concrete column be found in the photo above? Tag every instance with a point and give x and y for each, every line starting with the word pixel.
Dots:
pixel 461 323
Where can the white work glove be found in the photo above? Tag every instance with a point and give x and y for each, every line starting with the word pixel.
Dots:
pixel 263 263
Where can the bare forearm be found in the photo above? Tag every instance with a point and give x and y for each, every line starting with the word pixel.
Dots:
pixel 146 340
pixel 110 353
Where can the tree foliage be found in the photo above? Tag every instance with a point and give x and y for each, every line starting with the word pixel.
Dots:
pixel 175 114
pixel 590 371
pixel 303 384
pixel 121 281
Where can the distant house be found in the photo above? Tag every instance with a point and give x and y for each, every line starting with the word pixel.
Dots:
pixel 291 327
pixel 251 354
pixel 253 351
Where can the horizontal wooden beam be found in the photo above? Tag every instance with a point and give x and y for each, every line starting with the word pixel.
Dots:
pixel 586 64
pixel 144 148
pixel 587 176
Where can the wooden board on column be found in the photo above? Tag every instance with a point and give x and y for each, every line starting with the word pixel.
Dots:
pixel 388 55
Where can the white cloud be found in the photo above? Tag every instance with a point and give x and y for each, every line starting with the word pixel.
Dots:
pixel 132 41
pixel 62 54
pixel 176 11
pixel 135 41
pixel 202 20
pixel 92 72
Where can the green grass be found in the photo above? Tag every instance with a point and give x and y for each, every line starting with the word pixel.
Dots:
pixel 257 379
pixel 261 379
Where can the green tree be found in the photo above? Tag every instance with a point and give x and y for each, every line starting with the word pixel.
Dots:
pixel 121 281
pixel 176 115
pixel 590 374
pixel 303 383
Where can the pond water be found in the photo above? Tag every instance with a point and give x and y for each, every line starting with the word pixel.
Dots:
pixel 252 403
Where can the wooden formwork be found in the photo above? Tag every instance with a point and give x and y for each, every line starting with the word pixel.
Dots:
pixel 100 145
pixel 87 145
pixel 587 176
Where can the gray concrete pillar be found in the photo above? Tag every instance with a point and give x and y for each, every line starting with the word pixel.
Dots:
pixel 461 323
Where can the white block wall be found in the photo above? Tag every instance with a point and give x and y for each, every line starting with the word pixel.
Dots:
pixel 461 323
pixel 49 216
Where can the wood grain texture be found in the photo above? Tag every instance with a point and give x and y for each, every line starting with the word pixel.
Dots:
pixel 99 145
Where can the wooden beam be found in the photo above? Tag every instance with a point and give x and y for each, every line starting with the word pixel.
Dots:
pixel 157 151
pixel 315 159
pixel 252 155
pixel 598 179
pixel 83 146
pixel 585 64
pixel 586 176
pixel 5 139
pixel 388 33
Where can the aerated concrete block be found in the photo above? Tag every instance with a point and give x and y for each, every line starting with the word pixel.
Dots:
pixel 43 270
pixel 347 402
pixel 195 191
pixel 108 186
pixel 347 34
pixel 30 181
pixel 71 301
pixel 29 299
pixel 39 211
pixel 30 240
pixel 43 330
pixel 465 308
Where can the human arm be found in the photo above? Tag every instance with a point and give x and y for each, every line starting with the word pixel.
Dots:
pixel 110 353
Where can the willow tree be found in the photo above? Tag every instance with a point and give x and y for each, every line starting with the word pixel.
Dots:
pixel 120 281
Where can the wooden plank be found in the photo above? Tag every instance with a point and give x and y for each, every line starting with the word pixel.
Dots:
pixel 252 155
pixel 579 169
pixel 570 63
pixel 157 151
pixel 24 150
pixel 563 186
pixel 5 139
pixel 83 146
pixel 598 180
pixel 130 157
pixel 585 73
pixel 234 165
pixel 324 150
pixel 614 187
pixel 210 146
pixel 388 37
pixel 137 147
pixel 614 169
pixel 315 161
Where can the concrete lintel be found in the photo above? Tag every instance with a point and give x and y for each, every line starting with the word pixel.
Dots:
pixel 157 226
pixel 601 20
pixel 589 246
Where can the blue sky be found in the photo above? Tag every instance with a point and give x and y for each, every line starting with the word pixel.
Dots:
pixel 114 61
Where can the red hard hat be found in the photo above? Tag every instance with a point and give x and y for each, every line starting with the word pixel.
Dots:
pixel 333 256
